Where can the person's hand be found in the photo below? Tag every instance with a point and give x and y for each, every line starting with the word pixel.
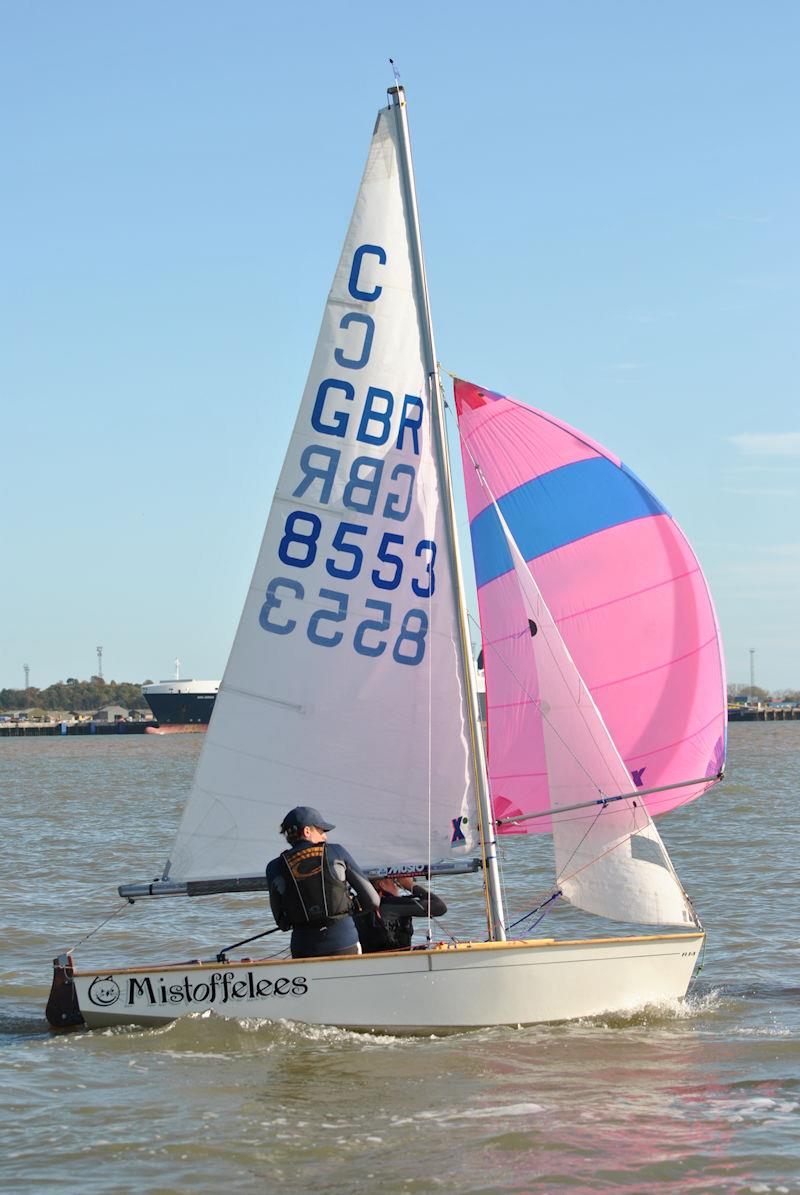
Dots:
pixel 405 882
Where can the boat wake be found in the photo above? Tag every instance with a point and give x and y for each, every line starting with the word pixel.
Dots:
pixel 201 1030
pixel 661 1012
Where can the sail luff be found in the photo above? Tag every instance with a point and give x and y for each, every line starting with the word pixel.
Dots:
pixel 495 911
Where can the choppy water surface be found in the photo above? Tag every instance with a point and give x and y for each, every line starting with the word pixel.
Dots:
pixel 701 1098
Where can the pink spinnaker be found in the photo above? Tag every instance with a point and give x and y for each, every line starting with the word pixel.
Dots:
pixel 626 593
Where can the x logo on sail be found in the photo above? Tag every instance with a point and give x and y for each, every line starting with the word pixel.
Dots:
pixel 458 833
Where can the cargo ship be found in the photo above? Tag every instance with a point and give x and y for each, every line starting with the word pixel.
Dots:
pixel 180 705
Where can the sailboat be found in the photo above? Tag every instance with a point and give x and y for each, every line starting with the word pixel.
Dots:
pixel 351 684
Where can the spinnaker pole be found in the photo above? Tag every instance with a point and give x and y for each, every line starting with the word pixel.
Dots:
pixel 494 904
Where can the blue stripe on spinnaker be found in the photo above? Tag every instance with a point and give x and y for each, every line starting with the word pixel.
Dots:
pixel 556 509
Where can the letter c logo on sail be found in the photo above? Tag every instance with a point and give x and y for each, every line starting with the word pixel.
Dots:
pixel 368 296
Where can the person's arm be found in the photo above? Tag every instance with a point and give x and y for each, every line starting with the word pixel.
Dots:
pixel 437 906
pixel 274 880
pixel 413 905
pixel 368 898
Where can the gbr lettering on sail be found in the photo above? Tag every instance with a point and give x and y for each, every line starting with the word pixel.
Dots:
pixel 361 582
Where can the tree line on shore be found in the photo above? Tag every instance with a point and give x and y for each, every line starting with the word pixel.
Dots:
pixel 763 696
pixel 88 695
pixel 79 695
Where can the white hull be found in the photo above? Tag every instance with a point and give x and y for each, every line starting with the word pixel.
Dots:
pixel 444 988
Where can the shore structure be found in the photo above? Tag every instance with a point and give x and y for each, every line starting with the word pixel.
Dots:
pixel 74 726
pixel 764 713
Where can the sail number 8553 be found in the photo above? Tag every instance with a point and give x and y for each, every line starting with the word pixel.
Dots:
pixel 408 646
pixel 300 542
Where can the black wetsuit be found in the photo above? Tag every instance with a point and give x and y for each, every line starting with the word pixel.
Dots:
pixel 393 928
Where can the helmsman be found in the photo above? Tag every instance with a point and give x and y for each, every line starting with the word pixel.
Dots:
pixel 309 888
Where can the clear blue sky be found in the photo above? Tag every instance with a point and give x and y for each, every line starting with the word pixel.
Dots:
pixel 609 196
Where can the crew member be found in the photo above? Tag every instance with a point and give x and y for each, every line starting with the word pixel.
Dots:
pixel 309 888
pixel 391 926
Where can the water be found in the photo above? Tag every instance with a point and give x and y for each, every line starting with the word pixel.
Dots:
pixel 702 1098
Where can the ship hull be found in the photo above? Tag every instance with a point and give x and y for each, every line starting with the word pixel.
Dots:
pixel 181 709
pixel 440 989
pixel 179 728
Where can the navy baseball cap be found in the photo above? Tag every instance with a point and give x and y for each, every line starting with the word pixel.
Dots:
pixel 304 815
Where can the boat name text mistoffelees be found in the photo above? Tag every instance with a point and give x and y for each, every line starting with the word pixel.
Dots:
pixel 221 987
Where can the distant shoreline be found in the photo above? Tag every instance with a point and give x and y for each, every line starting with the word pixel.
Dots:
pixel 19 730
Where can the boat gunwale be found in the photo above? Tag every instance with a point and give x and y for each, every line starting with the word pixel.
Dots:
pixel 429 951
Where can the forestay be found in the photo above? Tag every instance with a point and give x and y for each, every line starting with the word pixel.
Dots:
pixel 626 593
pixel 344 688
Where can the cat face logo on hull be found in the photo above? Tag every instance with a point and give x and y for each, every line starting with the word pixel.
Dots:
pixel 104 991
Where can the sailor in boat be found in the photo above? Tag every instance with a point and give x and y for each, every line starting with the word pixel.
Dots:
pixel 391 927
pixel 309 888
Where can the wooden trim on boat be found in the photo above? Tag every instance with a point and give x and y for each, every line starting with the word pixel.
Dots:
pixel 439 948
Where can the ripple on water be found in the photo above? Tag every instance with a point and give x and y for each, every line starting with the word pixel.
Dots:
pixel 701 1097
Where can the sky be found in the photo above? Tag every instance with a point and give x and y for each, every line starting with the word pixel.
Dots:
pixel 609 194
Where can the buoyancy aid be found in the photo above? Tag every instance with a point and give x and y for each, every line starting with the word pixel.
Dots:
pixel 377 934
pixel 315 894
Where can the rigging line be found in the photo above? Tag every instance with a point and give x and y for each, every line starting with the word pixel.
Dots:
pixel 124 905
pixel 534 701
pixel 615 845
pixel 503 886
pixel 221 955
pixel 670 867
pixel 440 929
pixel 556 661
pixel 553 896
pixel 562 879
pixel 474 730
pixel 701 962
pixel 587 443
pixel 560 875
pixel 508 667
pixel 603 806
pixel 429 531
pixel 538 921
pixel 541 896
pixel 625 838
pixel 430 528
pixel 665 857
pixel 446 933
pixel 636 793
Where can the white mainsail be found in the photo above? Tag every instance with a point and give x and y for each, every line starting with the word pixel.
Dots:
pixel 345 688
pixel 609 859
